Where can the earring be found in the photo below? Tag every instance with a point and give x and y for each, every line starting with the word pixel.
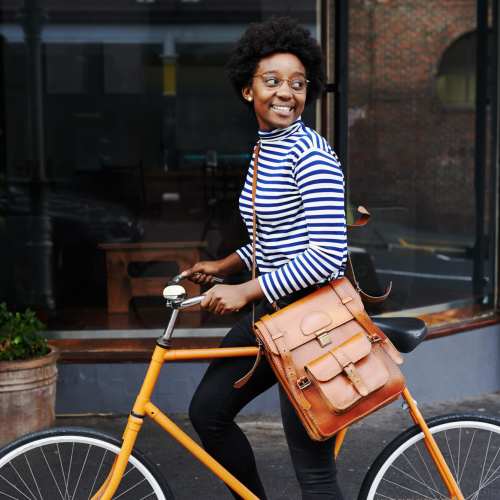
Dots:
pixel 249 99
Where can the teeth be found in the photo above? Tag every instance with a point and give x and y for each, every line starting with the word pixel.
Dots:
pixel 282 108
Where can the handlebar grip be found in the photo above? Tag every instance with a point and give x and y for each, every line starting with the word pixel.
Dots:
pixel 193 301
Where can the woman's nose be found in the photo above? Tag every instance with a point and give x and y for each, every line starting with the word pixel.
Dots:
pixel 284 91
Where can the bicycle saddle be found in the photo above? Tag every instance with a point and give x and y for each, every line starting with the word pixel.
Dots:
pixel 404 333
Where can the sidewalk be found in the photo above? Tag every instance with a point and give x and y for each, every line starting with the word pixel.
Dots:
pixel 189 480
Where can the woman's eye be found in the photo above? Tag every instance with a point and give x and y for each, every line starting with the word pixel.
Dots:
pixel 272 82
pixel 298 84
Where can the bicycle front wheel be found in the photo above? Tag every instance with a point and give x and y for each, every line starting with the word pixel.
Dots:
pixel 470 445
pixel 71 464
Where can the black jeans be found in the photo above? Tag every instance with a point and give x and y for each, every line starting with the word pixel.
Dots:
pixel 216 402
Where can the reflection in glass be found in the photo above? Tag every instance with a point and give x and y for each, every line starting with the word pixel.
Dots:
pixel 145 147
pixel 413 160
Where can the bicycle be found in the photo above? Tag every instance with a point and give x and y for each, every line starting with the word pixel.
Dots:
pixel 459 460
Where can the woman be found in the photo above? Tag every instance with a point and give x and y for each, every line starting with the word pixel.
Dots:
pixel 276 68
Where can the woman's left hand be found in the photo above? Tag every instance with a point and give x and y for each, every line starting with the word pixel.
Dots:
pixel 224 299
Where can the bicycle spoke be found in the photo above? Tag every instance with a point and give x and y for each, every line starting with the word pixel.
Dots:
pixel 458 458
pixel 51 473
pixel 130 488
pixel 81 472
pixel 488 475
pixel 468 454
pixel 419 476
pixel 484 485
pixel 147 496
pixel 22 480
pixel 97 474
pixel 65 480
pixel 422 459
pixel 7 495
pixel 450 452
pixel 385 496
pixel 484 464
pixel 70 466
pixel 33 476
pixel 417 481
pixel 14 486
pixel 407 489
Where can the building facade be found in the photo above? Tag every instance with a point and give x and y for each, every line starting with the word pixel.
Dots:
pixel 123 149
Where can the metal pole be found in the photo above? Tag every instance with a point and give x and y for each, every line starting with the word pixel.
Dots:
pixel 33 269
pixel 480 149
pixel 341 81
pixel 32 21
pixel 495 98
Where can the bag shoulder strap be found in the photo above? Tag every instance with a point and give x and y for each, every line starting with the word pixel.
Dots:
pixel 243 380
pixel 254 215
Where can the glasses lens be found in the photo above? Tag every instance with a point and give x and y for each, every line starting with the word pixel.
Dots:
pixel 272 82
pixel 298 85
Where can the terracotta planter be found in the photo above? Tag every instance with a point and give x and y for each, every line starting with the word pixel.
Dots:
pixel 27 395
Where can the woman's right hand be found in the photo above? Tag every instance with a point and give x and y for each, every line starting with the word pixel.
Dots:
pixel 203 272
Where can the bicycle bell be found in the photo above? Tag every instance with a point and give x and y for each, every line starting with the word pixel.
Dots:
pixel 174 295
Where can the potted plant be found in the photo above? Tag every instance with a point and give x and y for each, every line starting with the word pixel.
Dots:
pixel 28 375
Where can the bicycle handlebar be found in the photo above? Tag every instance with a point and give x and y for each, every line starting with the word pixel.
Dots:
pixel 193 301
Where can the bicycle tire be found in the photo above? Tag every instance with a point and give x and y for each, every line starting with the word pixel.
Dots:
pixel 71 463
pixel 470 444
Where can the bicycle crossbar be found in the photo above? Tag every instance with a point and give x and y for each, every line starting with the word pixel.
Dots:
pixel 210 353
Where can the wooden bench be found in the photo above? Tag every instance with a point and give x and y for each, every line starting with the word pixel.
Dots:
pixel 122 286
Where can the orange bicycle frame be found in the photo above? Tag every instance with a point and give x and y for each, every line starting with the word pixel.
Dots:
pixel 144 407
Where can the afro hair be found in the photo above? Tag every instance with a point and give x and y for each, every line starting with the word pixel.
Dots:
pixel 277 35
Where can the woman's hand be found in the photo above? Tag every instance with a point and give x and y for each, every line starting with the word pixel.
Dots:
pixel 225 299
pixel 203 271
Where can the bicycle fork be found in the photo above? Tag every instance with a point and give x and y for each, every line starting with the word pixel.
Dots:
pixel 433 449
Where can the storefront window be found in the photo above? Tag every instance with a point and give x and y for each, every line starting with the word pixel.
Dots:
pixel 422 169
pixel 123 151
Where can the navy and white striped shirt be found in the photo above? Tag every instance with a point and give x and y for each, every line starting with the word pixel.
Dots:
pixel 301 226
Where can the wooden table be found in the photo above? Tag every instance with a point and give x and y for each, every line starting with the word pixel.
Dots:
pixel 122 287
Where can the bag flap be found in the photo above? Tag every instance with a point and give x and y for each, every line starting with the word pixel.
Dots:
pixel 303 320
pixel 332 363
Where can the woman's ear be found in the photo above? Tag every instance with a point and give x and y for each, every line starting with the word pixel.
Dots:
pixel 247 94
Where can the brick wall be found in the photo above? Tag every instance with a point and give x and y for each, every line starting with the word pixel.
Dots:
pixel 406 150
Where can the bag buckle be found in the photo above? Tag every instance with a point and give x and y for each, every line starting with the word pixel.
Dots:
pixel 303 383
pixel 324 339
pixel 374 338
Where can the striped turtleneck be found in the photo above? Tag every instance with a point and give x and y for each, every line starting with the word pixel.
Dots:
pixel 301 228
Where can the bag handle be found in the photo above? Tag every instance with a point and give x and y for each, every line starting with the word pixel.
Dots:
pixel 363 216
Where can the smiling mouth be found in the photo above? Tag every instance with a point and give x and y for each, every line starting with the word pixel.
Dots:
pixel 282 109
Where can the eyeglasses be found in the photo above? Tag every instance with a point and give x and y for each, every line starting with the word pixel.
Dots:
pixel 297 85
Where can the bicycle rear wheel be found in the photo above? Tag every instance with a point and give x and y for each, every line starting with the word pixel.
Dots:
pixel 470 445
pixel 71 464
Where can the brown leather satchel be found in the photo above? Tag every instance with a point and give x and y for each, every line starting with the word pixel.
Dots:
pixel 334 363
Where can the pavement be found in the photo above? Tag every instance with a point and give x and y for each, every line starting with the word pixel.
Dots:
pixel 188 479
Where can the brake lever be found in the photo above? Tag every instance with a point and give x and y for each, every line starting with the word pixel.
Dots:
pixel 179 277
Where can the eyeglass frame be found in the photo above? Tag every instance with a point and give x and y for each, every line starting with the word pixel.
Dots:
pixel 281 80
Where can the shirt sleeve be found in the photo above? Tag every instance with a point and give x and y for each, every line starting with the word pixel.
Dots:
pixel 321 185
pixel 245 254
